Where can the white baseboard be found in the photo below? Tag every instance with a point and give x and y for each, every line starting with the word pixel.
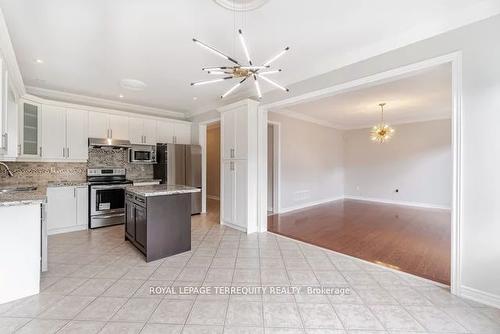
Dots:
pixel 308 204
pixel 480 296
pixel 236 227
pixel 216 198
pixel 388 201
pixel 67 229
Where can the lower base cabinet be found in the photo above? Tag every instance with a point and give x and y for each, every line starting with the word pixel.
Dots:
pixel 67 209
pixel 158 226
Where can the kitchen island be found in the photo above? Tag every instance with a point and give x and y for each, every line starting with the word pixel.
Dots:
pixel 20 242
pixel 158 219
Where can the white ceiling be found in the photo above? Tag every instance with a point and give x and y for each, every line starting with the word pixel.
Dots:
pixel 423 96
pixel 88 46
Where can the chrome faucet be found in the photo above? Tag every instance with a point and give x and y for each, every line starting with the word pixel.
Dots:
pixel 7 169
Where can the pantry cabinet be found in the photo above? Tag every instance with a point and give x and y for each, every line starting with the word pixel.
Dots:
pixel 239 160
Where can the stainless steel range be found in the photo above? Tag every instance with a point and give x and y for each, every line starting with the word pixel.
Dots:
pixel 106 196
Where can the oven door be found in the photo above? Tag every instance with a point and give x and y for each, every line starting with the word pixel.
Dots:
pixel 107 199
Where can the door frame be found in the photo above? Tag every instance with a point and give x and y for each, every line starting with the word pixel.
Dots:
pixel 455 59
pixel 276 165
pixel 202 140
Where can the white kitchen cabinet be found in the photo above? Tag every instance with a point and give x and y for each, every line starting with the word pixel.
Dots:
pixel 235 133
pixel 102 125
pixel 182 133
pixel 98 125
pixel 77 134
pixel 142 131
pixel 67 209
pixel 118 127
pixel 150 135
pixel 53 145
pixel 239 197
pixel 135 130
pixel 9 128
pixel 64 133
pixel 29 129
pixel 235 185
pixel 165 132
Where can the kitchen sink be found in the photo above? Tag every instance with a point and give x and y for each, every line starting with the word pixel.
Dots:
pixel 17 189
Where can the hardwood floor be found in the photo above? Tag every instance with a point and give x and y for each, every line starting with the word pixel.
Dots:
pixel 410 239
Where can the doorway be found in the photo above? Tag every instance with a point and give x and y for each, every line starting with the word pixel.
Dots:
pixel 213 170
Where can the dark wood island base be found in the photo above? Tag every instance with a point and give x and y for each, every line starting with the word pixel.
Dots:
pixel 158 220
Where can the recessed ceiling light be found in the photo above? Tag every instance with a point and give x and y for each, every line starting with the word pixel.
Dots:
pixel 133 84
pixel 39 61
pixel 121 96
pixel 195 98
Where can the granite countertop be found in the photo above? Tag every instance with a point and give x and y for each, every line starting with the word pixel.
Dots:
pixel 145 180
pixel 37 196
pixel 161 190
pixel 53 184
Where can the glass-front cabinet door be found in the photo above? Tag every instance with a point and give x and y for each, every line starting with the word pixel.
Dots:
pixel 30 129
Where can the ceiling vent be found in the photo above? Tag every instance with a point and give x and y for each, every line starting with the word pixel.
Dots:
pixel 241 5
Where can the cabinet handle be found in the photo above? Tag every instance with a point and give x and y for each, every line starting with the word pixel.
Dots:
pixel 111 131
pixel 64 152
pixel 67 152
pixel 232 153
pixel 19 149
pixel 40 151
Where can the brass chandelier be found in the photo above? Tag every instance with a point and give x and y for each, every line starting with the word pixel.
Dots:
pixel 239 70
pixel 381 132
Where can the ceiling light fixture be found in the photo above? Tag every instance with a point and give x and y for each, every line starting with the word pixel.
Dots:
pixel 239 71
pixel 381 132
pixel 39 61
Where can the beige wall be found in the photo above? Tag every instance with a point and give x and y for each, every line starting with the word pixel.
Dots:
pixel 311 168
pixel 213 161
pixel 417 162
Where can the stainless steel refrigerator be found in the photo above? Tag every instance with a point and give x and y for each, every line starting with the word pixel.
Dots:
pixel 181 165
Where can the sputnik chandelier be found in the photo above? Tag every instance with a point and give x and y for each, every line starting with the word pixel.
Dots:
pixel 381 132
pixel 239 70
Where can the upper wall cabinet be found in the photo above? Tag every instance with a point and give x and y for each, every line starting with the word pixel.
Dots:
pixel 64 133
pixel 29 129
pixel 142 131
pixel 174 132
pixel 103 125
pixel 9 127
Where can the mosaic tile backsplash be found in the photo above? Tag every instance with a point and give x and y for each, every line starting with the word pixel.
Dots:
pixel 113 157
pixel 43 172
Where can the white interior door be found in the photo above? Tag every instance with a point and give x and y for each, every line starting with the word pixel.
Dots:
pixel 98 125
pixel 118 126
pixel 77 134
pixel 165 132
pixel 53 132
pixel 135 130
pixel 149 130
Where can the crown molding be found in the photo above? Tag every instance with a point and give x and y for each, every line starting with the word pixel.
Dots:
pixel 102 103
pixel 9 56
pixel 242 6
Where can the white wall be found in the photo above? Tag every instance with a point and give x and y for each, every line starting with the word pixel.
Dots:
pixel 311 163
pixel 417 162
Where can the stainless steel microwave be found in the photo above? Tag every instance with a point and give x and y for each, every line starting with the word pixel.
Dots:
pixel 142 154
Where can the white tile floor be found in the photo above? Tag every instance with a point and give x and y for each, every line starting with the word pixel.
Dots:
pixel 99 283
